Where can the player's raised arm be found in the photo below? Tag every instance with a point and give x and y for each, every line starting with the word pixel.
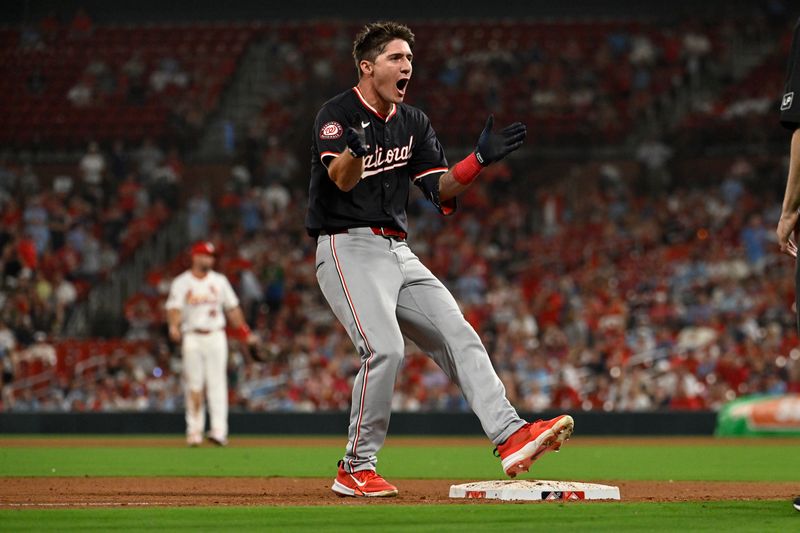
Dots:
pixel 492 147
pixel 346 169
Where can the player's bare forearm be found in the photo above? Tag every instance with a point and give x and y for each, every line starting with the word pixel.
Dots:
pixel 791 199
pixel 174 318
pixel 241 330
pixel 346 170
pixel 235 317
pixel 449 188
pixel 174 323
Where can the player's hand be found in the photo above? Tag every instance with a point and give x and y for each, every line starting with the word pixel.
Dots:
pixel 786 225
pixel 356 139
pixel 495 146
pixel 175 333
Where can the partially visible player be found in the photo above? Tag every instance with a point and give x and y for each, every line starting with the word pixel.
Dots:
pixel 199 301
pixel 790 119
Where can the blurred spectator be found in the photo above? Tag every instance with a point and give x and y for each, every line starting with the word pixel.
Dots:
pixel 119 161
pixel 82 93
pixel 199 216
pixel 168 72
pixel 133 70
pixel 92 167
pixel 149 157
pixel 755 237
pixel 35 217
pixel 81 25
pixel 654 155
pixel 40 351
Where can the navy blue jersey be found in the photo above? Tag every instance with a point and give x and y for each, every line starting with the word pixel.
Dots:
pixel 403 149
pixel 790 107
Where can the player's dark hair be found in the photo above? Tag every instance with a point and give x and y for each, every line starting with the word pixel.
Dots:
pixel 371 41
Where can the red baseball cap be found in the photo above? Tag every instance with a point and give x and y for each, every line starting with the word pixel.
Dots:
pixel 203 248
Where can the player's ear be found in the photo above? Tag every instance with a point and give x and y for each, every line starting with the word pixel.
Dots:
pixel 366 67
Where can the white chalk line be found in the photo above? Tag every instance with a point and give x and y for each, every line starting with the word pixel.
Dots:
pixel 83 504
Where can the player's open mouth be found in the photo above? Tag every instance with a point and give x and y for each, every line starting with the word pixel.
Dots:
pixel 402 83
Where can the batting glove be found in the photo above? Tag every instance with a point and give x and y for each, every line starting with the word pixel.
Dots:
pixel 495 146
pixel 356 140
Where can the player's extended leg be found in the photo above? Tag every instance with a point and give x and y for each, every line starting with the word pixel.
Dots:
pixel 360 278
pixel 193 378
pixel 428 315
pixel 216 363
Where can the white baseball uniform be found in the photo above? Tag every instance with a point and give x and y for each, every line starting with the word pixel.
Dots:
pixel 202 303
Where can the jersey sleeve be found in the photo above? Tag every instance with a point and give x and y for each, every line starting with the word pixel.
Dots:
pixel 229 299
pixel 790 109
pixel 427 165
pixel 176 295
pixel 329 133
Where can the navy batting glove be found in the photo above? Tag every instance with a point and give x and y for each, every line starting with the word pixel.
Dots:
pixel 495 146
pixel 356 141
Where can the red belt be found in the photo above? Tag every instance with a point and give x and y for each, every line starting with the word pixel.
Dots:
pixel 383 232
pixel 203 331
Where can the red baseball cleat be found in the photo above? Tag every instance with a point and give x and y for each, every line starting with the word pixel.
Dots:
pixel 366 483
pixel 530 441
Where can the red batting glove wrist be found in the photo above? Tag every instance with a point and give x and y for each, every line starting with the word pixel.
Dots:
pixel 242 332
pixel 466 170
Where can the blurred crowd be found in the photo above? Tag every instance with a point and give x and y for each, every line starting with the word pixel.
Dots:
pixel 577 81
pixel 68 80
pixel 60 239
pixel 627 285
pixel 588 293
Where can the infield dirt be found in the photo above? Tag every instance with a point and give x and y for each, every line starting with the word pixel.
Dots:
pixel 71 492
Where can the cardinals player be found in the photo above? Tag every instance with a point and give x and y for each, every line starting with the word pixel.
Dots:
pixel 199 302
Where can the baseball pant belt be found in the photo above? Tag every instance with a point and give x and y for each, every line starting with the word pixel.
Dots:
pixel 383 232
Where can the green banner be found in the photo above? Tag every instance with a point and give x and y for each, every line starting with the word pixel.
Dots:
pixel 760 415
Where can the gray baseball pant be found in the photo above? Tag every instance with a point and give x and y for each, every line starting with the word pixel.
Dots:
pixel 379 290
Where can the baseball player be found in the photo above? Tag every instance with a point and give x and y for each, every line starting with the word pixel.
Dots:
pixel 198 303
pixel 790 119
pixel 367 148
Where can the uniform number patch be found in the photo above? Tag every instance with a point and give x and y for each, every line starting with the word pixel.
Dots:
pixel 786 103
pixel 331 130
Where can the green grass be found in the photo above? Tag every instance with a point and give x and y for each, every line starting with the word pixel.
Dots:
pixel 776 462
pixel 709 516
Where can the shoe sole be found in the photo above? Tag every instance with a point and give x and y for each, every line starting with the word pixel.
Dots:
pixel 343 491
pixel 550 440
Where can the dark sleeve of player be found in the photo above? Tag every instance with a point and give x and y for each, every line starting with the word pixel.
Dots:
pixel 790 110
pixel 329 126
pixel 427 165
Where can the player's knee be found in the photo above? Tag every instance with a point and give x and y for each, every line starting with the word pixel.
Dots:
pixel 391 357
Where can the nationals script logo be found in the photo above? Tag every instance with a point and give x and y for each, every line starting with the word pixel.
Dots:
pixel 331 130
pixel 383 159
